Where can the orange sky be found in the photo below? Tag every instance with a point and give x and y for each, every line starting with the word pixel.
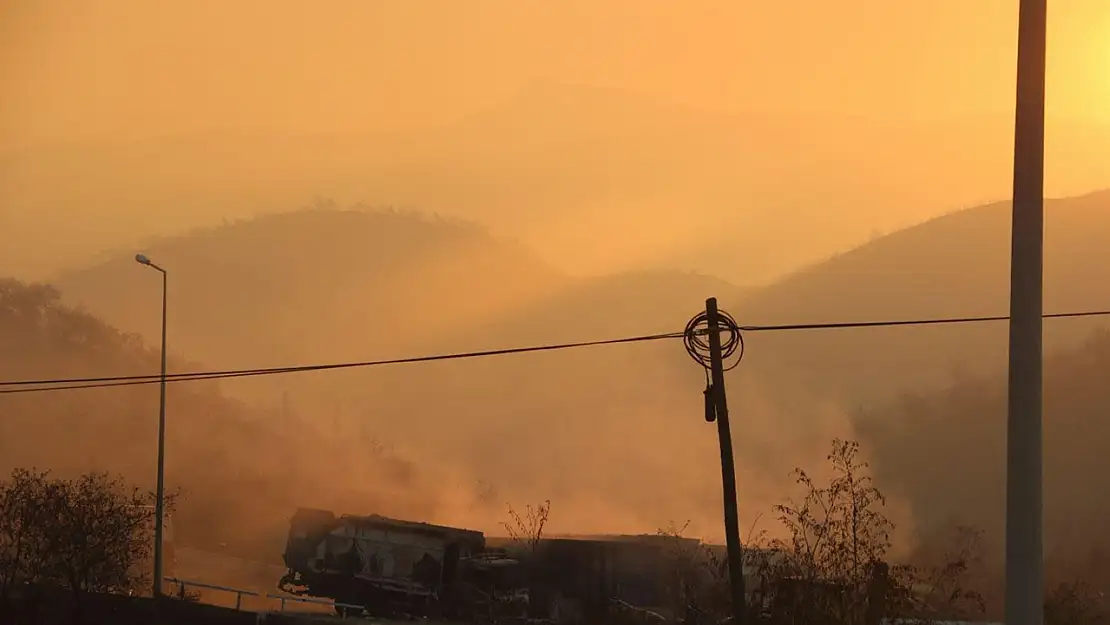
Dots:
pixel 847 119
pixel 116 68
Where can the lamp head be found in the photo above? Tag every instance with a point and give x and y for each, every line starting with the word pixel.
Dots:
pixel 142 259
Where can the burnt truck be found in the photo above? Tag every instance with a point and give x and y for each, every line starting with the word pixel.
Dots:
pixel 393 567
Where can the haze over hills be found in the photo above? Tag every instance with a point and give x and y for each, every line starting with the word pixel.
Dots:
pixel 239 470
pixel 545 193
pixel 329 285
pixel 323 285
pixel 592 180
pixel 952 266
pixel 316 283
pixel 946 452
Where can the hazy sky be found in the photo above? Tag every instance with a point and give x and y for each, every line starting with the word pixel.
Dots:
pixel 804 125
pixel 123 68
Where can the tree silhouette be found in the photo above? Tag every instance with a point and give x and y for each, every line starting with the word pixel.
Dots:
pixel 92 533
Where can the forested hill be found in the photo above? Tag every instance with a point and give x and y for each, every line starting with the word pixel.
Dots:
pixel 240 472
pixel 952 266
pixel 946 452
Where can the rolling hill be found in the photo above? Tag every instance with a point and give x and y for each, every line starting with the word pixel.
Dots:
pixel 325 280
pixel 614 435
pixel 240 472
pixel 327 285
pixel 951 266
pixel 945 452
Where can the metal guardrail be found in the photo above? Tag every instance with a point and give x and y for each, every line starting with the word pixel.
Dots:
pixel 241 592
pixel 349 606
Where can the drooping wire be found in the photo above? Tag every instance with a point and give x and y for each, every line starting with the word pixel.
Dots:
pixel 693 338
pixel 696 339
pixel 29 386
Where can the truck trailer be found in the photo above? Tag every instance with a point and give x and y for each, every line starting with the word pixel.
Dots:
pixel 387 566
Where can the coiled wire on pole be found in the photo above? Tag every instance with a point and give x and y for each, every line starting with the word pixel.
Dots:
pixel 696 340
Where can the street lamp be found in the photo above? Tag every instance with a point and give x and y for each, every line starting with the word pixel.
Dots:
pixel 160 495
pixel 1024 437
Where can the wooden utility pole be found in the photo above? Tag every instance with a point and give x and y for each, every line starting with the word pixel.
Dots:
pixel 719 404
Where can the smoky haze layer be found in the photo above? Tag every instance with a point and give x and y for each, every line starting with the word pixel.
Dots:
pixel 613 435
pixel 366 284
pixel 230 493
pixel 321 285
pixel 946 452
pixel 594 180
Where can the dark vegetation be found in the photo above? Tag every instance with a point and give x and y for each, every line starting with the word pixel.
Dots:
pixel 64 543
pixel 834 564
pixel 88 534
pixel 946 452
pixel 68 545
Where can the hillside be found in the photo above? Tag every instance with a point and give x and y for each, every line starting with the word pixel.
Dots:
pixel 332 283
pixel 325 285
pixel 328 285
pixel 240 472
pixel 952 266
pixel 946 452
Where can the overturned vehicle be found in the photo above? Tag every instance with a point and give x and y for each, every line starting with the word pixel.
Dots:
pixel 393 567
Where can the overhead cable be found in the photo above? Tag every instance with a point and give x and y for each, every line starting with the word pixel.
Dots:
pixel 60 384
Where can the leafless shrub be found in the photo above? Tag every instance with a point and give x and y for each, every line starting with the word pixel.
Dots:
pixel 528 529
pixel 832 565
pixel 1075 603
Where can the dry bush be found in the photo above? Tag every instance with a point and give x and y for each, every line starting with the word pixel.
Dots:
pixel 89 534
pixel 832 566
pixel 1076 603
pixel 527 530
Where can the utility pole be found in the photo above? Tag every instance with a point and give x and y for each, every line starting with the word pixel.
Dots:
pixel 716 409
pixel 1024 444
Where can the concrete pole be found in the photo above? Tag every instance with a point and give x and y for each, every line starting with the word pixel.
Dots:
pixel 1024 542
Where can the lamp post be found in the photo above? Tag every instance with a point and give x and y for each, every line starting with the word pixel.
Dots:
pixel 1024 444
pixel 160 494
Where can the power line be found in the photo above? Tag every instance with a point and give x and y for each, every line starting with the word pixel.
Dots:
pixel 911 322
pixel 109 381
pixel 66 384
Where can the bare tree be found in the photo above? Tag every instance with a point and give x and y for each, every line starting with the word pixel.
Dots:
pixel 528 529
pixel 836 534
pixel 685 575
pixel 832 567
